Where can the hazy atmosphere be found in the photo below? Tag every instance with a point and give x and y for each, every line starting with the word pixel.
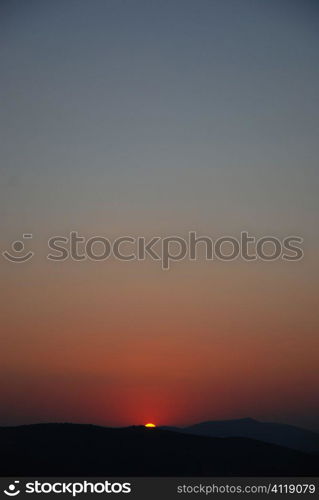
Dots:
pixel 159 118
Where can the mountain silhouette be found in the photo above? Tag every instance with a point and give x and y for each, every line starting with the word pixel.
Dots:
pixel 268 432
pixel 87 450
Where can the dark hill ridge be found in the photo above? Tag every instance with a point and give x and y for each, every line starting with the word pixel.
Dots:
pixel 87 450
pixel 269 432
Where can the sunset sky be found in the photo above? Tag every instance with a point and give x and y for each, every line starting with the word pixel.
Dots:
pixel 159 117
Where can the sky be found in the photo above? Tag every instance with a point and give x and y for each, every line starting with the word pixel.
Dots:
pixel 159 118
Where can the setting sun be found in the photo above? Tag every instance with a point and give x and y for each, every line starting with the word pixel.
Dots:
pixel 150 425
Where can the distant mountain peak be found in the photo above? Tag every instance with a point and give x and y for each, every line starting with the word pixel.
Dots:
pixel 243 420
pixel 269 432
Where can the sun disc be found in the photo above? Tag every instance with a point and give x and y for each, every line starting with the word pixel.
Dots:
pixel 150 425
